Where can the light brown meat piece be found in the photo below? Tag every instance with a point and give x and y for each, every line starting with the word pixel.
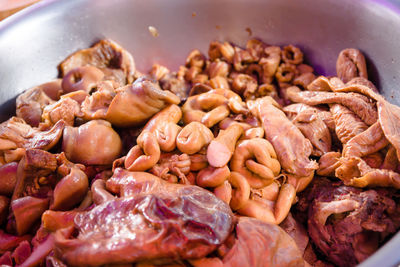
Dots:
pixel 350 64
pixel 347 124
pixel 328 163
pixel 313 128
pixel 292 148
pixel 31 103
pixel 355 172
pixel 95 105
pixel 391 162
pixel 389 118
pixel 15 133
pixel 65 109
pixel 116 63
pixel 293 110
pixel 357 103
pixel 360 89
pixel 365 143
pixel 136 103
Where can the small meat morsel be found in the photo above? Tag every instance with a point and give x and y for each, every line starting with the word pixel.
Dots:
pixel 152 219
pixel 134 104
pixel 31 103
pixel 348 224
pixel 116 63
pixel 351 64
pixel 81 144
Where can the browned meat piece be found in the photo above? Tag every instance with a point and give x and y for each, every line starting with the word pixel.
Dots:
pixel 65 109
pixel 365 143
pixel 152 219
pixel 320 84
pixel 70 190
pixel 367 90
pixel 116 63
pixel 328 163
pixel 357 103
pixel 347 124
pixel 134 104
pixel 36 163
pixel 261 244
pixel 348 224
pixel 96 105
pixel 351 64
pixel 312 127
pixel 15 133
pixel 325 115
pixel 82 79
pixel 391 162
pixel 81 144
pixel 292 148
pixel 177 86
pixel 8 178
pixel 356 172
pixel 172 167
pixel 389 118
pixel 30 104
pixel 28 210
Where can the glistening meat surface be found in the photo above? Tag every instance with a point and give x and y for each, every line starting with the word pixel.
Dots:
pixel 159 221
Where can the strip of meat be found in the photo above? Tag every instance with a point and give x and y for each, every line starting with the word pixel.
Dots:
pixel 347 124
pixel 315 130
pixel 360 89
pixel 292 148
pixel 357 103
pixel 326 116
pixel 350 64
pixel 365 143
pixel 389 118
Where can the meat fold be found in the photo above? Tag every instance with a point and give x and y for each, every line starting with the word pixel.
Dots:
pixel 347 124
pixel 261 244
pixel 36 163
pixel 134 104
pixel 16 133
pixel 356 172
pixel 116 63
pixel 366 143
pixel 313 128
pixel 292 148
pixel 30 104
pixel 152 219
pixel 328 163
pixel 389 118
pixel 347 224
pixel 357 103
pixel 350 64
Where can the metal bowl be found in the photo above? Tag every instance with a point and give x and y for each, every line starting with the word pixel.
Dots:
pixel 35 40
